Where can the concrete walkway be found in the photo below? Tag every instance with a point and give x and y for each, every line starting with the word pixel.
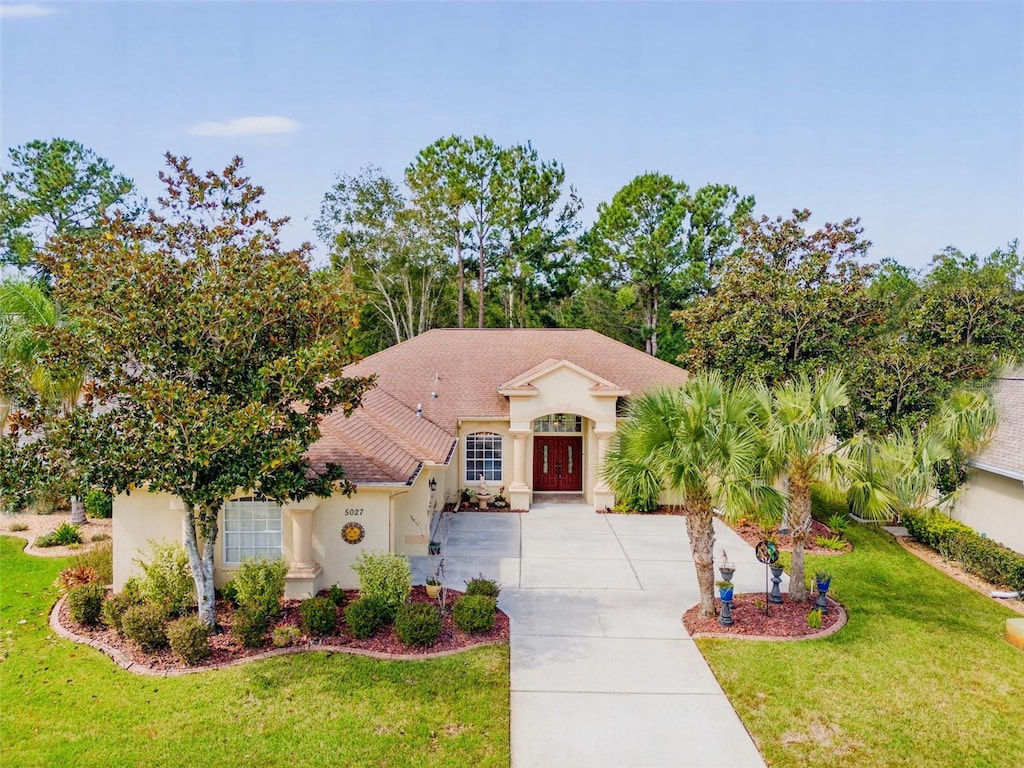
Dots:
pixel 603 673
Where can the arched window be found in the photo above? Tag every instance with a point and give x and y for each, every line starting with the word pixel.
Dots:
pixel 483 457
pixel 558 422
pixel 252 529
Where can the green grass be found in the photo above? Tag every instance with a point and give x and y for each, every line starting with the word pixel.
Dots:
pixel 65 704
pixel 920 676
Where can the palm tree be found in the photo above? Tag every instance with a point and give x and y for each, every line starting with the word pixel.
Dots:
pixel 701 444
pixel 25 311
pixel 899 471
pixel 799 434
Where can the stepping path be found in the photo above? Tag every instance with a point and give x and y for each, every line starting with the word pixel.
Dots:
pixel 602 670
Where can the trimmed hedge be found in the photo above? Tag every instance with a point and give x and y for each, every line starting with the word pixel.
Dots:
pixel 364 616
pixel 474 613
pixel 319 615
pixel 85 603
pixel 144 625
pixel 418 624
pixel 981 556
pixel 189 639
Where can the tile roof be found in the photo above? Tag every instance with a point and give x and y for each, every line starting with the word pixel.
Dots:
pixel 1004 455
pixel 453 373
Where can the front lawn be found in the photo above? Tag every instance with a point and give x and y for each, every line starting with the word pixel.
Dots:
pixel 920 676
pixel 67 704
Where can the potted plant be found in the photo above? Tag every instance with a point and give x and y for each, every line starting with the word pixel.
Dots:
pixel 822 580
pixel 465 497
pixel 499 499
pixel 433 587
pixel 434 547
pixel 725 590
pixel 727 569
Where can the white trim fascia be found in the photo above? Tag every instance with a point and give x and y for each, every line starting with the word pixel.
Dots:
pixel 997 470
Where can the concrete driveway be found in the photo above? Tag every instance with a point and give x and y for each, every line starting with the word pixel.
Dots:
pixel 603 673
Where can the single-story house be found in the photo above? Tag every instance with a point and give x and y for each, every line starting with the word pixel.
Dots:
pixel 530 410
pixel 993 502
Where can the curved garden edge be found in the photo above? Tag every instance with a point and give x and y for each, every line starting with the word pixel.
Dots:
pixel 142 669
pixel 775 638
pixel 954 571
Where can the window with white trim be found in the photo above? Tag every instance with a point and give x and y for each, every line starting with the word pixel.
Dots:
pixel 558 422
pixel 483 457
pixel 252 529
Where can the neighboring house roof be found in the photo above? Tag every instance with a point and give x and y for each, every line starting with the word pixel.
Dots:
pixel 457 373
pixel 1004 455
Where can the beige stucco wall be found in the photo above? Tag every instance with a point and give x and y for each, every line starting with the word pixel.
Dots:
pixel 139 518
pixel 994 505
pixel 371 507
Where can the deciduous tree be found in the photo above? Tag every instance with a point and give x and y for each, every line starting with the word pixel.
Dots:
pixel 218 351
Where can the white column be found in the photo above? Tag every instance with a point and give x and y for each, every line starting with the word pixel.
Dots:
pixel 302 542
pixel 603 496
pixel 519 462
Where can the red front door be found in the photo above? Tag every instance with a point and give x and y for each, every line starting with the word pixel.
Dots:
pixel 557 463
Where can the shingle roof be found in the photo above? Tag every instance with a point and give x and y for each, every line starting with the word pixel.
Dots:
pixel 1004 455
pixel 454 373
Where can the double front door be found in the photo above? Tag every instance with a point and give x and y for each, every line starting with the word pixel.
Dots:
pixel 557 463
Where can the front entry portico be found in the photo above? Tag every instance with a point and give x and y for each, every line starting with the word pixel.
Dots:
pixel 558 463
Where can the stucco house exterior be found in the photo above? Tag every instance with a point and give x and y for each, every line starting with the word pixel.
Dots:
pixel 993 502
pixel 532 410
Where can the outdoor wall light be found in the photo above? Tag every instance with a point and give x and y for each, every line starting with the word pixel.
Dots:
pixel 433 484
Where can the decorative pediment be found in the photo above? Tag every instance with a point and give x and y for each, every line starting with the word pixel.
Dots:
pixel 526 383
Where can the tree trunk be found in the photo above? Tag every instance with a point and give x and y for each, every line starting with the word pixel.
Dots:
pixel 701 530
pixel 480 285
pixel 77 511
pixel 462 279
pixel 800 520
pixel 202 565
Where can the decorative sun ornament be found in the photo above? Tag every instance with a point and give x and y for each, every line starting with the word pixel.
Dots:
pixel 353 533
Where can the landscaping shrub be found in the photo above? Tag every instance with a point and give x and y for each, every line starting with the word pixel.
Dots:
pixel 979 555
pixel 838 523
pixel 418 624
pixel 144 624
pixel 337 595
pixel 834 543
pixel 85 602
pixel 17 527
pixel 249 627
pixel 190 639
pixel 285 635
pixel 229 593
pixel 482 586
pixel 63 535
pixel 98 503
pixel 319 615
pixel 114 608
pixel 474 613
pixel 100 558
pixel 259 586
pixel 100 537
pixel 75 576
pixel 384 577
pixel 167 578
pixel 365 615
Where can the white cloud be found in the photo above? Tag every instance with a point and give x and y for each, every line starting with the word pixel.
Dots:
pixel 245 126
pixel 25 10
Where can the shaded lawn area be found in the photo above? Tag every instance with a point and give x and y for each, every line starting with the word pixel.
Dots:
pixel 63 704
pixel 920 676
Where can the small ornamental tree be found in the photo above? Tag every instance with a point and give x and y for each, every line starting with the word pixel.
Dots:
pixel 217 353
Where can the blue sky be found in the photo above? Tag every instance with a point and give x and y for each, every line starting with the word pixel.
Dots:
pixel 909 115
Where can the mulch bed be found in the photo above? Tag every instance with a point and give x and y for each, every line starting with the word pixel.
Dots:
pixel 787 620
pixel 225 648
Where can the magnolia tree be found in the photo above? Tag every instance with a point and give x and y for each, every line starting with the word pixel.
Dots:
pixel 215 352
